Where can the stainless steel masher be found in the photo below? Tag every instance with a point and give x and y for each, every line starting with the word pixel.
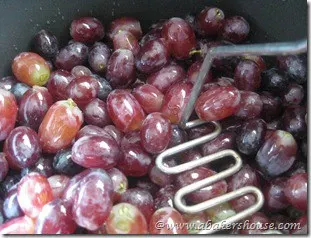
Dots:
pixel 267 49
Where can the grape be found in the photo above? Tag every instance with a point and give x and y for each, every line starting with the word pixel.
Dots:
pixel 55 218
pixel 121 68
pixel 178 136
pixel 33 106
pixel 45 44
pixel 247 75
pixel 11 208
pixel 20 225
pixel 91 130
pixel 80 70
pixel 175 101
pixel 210 21
pixel 275 199
pixel 251 136
pixel 167 216
pixel 218 103
pixel 58 184
pixel 220 212
pixel 224 141
pixel 231 124
pixel 293 94
pixel 31 69
pixel 33 193
pixel 272 107
pixel 155 133
pixel 9 181
pixel 160 178
pixel 179 36
pixel 125 24
pixel 296 191
pixel 8 112
pixel 165 197
pixel 119 181
pixel 43 166
pixel 203 194
pixel 63 164
pixel 141 199
pixel 274 80
pixel 200 131
pixel 257 224
pixel 190 155
pixel 193 72
pixel 8 83
pixel 250 105
pixel 277 154
pixel 147 184
pixel 195 221
pixel 83 90
pixel 293 121
pixel 235 29
pixel 104 88
pixel 153 33
pixel 258 60
pixel 295 67
pixel 96 152
pixel 98 57
pixel 114 132
pixel 95 113
pixel 93 202
pixel 125 40
pixel 126 219
pixel 58 83
pixel 22 148
pixel 71 55
pixel 59 126
pixel 124 110
pixel 4 166
pixel 149 97
pixel 152 56
pixel 135 162
pixel 87 30
pixel 167 76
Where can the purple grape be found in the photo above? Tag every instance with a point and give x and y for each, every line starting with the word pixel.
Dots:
pixel 293 121
pixel 8 82
pixel 63 164
pixel 45 44
pixel 95 113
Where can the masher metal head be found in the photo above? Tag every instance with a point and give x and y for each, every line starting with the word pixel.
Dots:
pixel 267 49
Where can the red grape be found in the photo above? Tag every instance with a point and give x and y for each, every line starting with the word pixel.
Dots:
pixel 194 70
pixel 210 21
pixel 149 97
pixel 55 218
pixel 155 133
pixel 235 29
pixel 166 77
pixel 272 106
pixel 160 178
pixel 124 110
pixel 147 184
pixel 121 68
pixel 45 44
pixel 200 131
pixel 63 164
pixel 33 193
pixel 119 182
pixel 152 56
pixel 31 69
pixel 20 225
pixel 258 60
pixel 87 29
pixel 98 151
pixel 58 83
pixel 195 222
pixel 179 36
pixel 4 166
pixel 165 197
pixel 91 130
pixel 11 208
pixel 175 101
pixel 80 70
pixel 257 224
pixel 126 219
pixel 293 94
pixel 93 202
pixel 114 132
pixel 247 75
pixel 170 218
pixel 277 154
pixel 125 24
pixel 7 83
pixel 8 112
pixel 98 57
pixel 125 40
pixel 71 55
pixel 95 113
pixel 293 121
pixel 296 191
pixel 250 105
pixel 224 141
pixel 33 106
pixel 22 148
pixel 218 103
pixel 178 136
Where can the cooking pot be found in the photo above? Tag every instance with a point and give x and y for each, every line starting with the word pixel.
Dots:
pixel 270 20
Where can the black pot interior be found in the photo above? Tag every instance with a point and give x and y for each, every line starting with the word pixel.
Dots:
pixel 271 20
